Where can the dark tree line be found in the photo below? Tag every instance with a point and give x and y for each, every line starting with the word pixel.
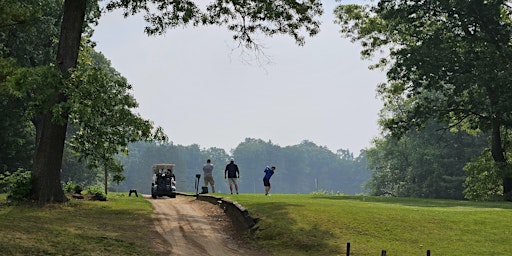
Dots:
pixel 301 168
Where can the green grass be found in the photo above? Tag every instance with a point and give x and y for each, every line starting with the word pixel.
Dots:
pixel 121 226
pixel 323 225
pixel 289 225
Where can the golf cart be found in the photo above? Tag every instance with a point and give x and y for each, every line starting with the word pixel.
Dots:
pixel 164 181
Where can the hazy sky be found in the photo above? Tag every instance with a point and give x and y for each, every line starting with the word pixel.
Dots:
pixel 196 85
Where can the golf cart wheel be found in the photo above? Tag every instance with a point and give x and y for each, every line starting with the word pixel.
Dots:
pixel 153 196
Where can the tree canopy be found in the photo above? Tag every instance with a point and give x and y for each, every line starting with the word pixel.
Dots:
pixel 445 60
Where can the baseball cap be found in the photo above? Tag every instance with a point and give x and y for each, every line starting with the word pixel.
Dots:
pixel 232 159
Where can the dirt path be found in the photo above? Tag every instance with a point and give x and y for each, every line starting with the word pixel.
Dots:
pixel 194 227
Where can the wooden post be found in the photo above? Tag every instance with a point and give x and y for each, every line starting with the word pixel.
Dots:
pixel 348 249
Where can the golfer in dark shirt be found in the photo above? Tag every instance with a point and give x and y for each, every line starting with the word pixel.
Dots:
pixel 233 174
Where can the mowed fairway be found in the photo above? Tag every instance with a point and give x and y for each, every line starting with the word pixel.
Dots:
pixel 289 225
pixel 323 225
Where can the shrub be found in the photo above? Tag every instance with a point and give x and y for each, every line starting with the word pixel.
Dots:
pixel 71 187
pixel 97 193
pixel 18 184
pixel 483 181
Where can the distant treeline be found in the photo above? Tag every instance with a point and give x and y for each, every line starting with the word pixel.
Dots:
pixel 301 168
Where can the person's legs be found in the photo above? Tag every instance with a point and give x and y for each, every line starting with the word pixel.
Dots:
pixel 266 183
pixel 235 183
pixel 231 182
pixel 212 183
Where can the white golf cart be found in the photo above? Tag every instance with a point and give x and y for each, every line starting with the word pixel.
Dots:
pixel 164 181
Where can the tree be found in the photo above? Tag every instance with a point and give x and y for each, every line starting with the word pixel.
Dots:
pixel 17 131
pixel 427 164
pixel 448 60
pixel 244 18
pixel 251 156
pixel 100 105
pixel 51 124
pixel 27 33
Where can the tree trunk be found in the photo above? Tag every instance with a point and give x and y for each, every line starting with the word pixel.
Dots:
pixel 498 155
pixel 46 179
pixel 106 178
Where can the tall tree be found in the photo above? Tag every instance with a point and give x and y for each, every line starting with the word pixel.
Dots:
pixel 51 125
pixel 449 60
pixel 244 18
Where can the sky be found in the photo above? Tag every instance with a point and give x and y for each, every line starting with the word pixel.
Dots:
pixel 201 89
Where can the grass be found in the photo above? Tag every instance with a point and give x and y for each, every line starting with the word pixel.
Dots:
pixel 121 226
pixel 289 225
pixel 323 225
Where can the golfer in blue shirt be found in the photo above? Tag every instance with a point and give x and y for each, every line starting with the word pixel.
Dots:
pixel 266 179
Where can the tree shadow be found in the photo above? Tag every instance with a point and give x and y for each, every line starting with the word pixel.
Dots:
pixel 277 224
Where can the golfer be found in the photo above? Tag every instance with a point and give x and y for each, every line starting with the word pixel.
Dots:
pixel 266 179
pixel 208 175
pixel 233 174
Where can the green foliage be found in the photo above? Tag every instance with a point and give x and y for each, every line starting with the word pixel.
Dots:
pixel 301 168
pixel 74 169
pixel 445 61
pixel 17 185
pixel 17 133
pixel 483 180
pixel 31 34
pixel 244 18
pixel 72 187
pixel 427 163
pixel 101 108
pixel 97 192
pixel 323 192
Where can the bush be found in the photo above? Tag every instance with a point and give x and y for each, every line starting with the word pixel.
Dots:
pixel 97 193
pixel 18 184
pixel 71 187
pixel 483 181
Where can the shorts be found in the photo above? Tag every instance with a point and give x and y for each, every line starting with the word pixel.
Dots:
pixel 266 182
pixel 233 181
pixel 209 180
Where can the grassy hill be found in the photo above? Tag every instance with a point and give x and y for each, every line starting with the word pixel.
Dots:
pixel 289 225
pixel 121 226
pixel 323 225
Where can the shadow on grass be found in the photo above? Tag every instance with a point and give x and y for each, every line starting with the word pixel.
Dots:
pixel 283 226
pixel 420 202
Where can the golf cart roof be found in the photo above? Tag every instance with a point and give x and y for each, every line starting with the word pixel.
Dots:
pixel 163 166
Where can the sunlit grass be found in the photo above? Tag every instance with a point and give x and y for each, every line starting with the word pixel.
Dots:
pixel 323 225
